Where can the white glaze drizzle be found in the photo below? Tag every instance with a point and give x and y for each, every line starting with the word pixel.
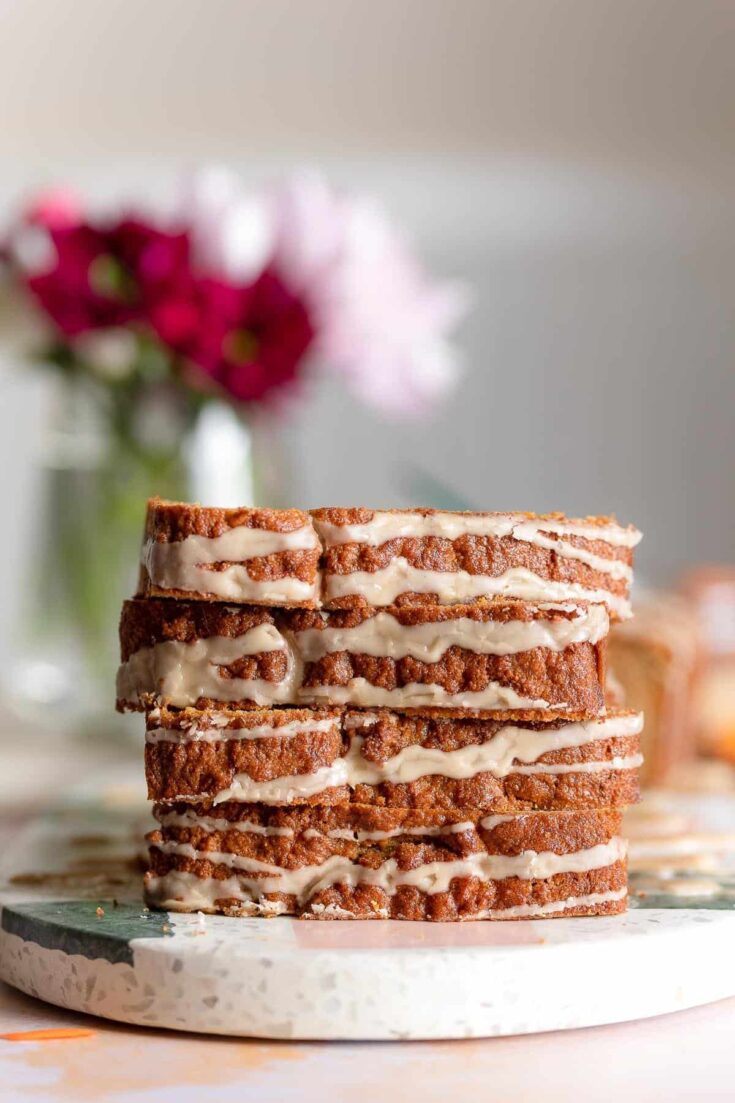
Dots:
pixel 280 790
pixel 498 754
pixel 554 907
pixel 383 586
pixel 382 635
pixel 223 734
pixel 285 790
pixel 209 824
pixel 361 692
pixel 416 761
pixel 386 525
pixel 191 819
pixel 530 532
pixel 181 564
pixel 617 763
pixel 238 544
pixel 183 672
pixel 396 832
pixel 178 891
pixel 430 877
pixel 355 720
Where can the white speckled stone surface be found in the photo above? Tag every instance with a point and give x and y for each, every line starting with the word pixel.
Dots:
pixel 281 978
pixel 286 979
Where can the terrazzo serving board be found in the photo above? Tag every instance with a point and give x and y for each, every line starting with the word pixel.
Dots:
pixel 74 932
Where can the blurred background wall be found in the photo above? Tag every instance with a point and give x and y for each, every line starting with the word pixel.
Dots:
pixel 573 159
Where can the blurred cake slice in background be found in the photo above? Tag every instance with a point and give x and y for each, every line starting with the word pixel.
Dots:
pixel 711 592
pixel 654 661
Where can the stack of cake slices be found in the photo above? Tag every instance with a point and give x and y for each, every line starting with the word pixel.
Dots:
pixel 356 713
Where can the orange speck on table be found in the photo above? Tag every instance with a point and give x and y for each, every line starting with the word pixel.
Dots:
pixel 52 1034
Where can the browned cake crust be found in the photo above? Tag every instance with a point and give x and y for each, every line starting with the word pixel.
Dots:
pixel 205 767
pixel 362 515
pixel 173 522
pixel 570 681
pixel 499 611
pixel 145 622
pixel 478 555
pixel 196 841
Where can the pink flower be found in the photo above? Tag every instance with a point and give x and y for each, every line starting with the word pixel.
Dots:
pixel 381 323
pixel 108 276
pixel 56 208
pixel 249 340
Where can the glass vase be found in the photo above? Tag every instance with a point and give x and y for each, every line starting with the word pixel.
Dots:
pixel 99 465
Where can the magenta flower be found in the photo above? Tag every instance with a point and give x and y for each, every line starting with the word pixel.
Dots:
pixel 109 276
pixel 248 340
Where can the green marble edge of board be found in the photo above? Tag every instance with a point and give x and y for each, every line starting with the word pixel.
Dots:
pixel 77 927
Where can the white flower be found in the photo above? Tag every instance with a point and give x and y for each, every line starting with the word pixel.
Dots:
pixel 232 230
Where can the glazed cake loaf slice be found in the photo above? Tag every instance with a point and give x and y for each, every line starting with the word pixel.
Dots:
pixel 382 557
pixel 518 658
pixel 349 862
pixel 532 661
pixel 277 756
pixel 201 653
pixel 299 757
pixel 258 556
pixel 387 557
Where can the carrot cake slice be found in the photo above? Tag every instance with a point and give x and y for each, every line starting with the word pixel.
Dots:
pixel 531 661
pixel 348 862
pixel 201 653
pixel 503 657
pixel 387 557
pixel 299 757
pixel 258 556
